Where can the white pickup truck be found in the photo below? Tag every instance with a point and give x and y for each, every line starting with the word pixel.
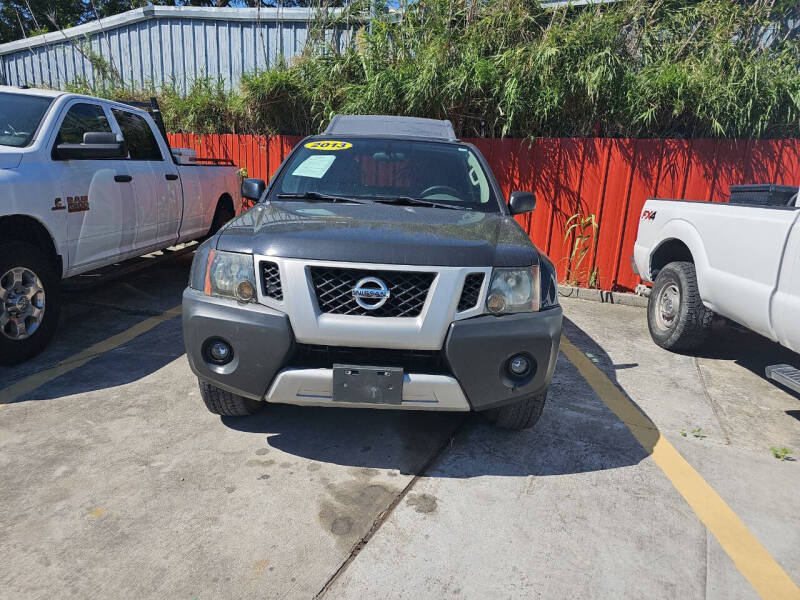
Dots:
pixel 737 260
pixel 85 183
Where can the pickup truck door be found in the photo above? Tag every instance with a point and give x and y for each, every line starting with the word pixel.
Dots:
pixel 155 182
pixel 786 301
pixel 97 194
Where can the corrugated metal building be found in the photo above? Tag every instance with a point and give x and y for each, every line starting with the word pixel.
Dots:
pixel 158 44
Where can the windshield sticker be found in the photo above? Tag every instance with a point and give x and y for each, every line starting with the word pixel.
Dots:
pixel 317 212
pixel 328 145
pixel 314 166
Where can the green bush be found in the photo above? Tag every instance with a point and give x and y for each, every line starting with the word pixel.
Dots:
pixel 643 68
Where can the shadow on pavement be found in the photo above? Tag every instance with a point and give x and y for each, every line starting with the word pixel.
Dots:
pixel 128 363
pixel 577 433
pixel 748 350
pixel 91 316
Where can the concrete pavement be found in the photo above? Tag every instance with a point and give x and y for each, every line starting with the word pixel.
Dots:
pixel 118 483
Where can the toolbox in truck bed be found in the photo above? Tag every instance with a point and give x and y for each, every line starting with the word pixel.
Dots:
pixel 763 194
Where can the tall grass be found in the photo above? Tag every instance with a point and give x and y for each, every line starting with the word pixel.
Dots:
pixel 643 68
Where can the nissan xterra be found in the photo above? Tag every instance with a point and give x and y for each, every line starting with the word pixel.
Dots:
pixel 380 268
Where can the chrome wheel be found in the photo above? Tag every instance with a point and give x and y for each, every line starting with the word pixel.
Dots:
pixel 21 303
pixel 669 302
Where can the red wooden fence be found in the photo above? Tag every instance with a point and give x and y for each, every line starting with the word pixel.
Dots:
pixel 610 178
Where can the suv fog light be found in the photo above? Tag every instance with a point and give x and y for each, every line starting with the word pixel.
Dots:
pixel 519 365
pixel 219 352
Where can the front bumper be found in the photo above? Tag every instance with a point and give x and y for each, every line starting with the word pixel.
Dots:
pixel 478 349
pixel 261 338
pixel 475 350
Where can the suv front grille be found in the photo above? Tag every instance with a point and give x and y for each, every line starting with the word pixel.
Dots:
pixel 471 292
pixel 271 280
pixel 334 289
pixel 309 356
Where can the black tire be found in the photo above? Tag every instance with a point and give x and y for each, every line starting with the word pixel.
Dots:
pixel 222 402
pixel 490 414
pixel 685 326
pixel 222 215
pixel 31 258
pixel 522 414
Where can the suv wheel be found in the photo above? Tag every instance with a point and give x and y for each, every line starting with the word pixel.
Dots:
pixel 522 414
pixel 222 402
pixel 676 316
pixel 30 302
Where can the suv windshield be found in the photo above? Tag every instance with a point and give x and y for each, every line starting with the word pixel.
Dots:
pixel 401 171
pixel 20 115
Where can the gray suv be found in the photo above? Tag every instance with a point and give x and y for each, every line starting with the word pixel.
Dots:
pixel 380 268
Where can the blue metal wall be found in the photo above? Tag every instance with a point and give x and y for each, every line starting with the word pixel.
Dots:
pixel 155 44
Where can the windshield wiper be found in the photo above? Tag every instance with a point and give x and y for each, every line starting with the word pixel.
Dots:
pixel 321 198
pixel 408 200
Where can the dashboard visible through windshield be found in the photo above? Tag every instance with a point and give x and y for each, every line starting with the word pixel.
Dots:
pixel 20 115
pixel 402 171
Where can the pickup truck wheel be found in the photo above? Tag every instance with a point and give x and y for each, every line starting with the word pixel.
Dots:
pixel 522 414
pixel 676 316
pixel 222 215
pixel 29 302
pixel 222 402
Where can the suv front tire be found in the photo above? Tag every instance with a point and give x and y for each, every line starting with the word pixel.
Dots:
pixel 522 414
pixel 223 402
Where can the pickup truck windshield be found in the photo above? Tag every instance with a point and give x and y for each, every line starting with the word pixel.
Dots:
pixel 20 115
pixel 395 171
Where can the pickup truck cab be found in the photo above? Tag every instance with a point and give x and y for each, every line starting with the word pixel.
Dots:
pixel 381 268
pixel 85 183
pixel 740 261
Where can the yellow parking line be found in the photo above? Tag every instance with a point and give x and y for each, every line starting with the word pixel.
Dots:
pixel 747 553
pixel 30 383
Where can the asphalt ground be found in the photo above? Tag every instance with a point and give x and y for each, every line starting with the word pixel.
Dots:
pixel 115 482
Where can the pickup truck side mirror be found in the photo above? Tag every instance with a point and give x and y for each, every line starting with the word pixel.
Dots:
pixel 252 189
pixel 521 202
pixel 95 145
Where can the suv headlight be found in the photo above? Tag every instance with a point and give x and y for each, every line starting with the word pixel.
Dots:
pixel 513 290
pixel 229 275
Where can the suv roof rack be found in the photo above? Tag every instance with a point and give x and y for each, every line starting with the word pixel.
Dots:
pixel 391 125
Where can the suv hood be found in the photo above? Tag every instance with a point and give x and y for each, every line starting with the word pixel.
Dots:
pixel 379 233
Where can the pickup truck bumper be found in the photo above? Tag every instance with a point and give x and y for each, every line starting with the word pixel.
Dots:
pixel 473 373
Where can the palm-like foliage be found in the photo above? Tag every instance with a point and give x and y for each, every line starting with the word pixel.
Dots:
pixel 644 68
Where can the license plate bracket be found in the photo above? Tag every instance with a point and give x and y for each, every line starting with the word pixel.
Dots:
pixel 367 385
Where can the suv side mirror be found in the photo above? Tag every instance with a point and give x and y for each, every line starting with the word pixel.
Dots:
pixel 96 144
pixel 521 202
pixel 252 189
